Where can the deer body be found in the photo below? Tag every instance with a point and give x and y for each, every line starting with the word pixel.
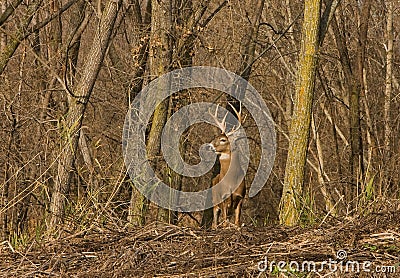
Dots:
pixel 230 174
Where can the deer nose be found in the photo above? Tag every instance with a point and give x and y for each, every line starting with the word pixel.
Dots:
pixel 210 147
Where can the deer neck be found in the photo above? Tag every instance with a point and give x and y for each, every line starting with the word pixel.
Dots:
pixel 229 160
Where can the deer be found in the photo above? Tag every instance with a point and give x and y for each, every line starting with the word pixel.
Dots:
pixel 224 145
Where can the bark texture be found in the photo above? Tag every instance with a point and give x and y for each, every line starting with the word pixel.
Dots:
pixel 77 104
pixel 290 206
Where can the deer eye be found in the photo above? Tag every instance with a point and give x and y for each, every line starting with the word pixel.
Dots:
pixel 223 140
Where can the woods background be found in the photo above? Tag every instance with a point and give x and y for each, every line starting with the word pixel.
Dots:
pixel 69 69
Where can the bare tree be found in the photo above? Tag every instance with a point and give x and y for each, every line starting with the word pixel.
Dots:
pixel 354 82
pixel 19 35
pixel 8 10
pixel 388 93
pixel 356 158
pixel 142 53
pixel 290 205
pixel 160 62
pixel 78 100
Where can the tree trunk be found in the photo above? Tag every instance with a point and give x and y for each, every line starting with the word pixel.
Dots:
pixel 356 158
pixel 353 78
pixel 300 125
pixel 249 43
pixel 142 53
pixel 77 105
pixel 388 96
pixel 3 17
pixel 160 61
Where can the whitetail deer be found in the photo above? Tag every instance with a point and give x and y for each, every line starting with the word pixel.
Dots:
pixel 230 173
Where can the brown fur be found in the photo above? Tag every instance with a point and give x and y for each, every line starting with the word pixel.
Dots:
pixel 227 156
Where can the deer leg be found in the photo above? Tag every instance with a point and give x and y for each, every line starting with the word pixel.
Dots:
pixel 216 211
pixel 225 214
pixel 238 210
pixel 216 208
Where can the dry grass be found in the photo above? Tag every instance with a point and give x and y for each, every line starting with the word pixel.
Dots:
pixel 171 251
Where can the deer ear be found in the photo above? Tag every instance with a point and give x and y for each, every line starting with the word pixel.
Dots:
pixel 232 141
pixel 232 146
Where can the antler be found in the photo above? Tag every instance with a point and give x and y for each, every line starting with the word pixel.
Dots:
pixel 239 117
pixel 222 124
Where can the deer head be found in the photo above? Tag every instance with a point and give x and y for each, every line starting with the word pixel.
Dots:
pixel 222 143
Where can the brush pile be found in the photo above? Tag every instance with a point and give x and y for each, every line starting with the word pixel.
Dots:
pixel 172 251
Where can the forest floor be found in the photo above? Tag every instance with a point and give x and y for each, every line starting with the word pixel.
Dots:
pixel 360 247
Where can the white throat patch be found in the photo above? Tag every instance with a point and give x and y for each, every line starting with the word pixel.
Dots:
pixel 224 156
